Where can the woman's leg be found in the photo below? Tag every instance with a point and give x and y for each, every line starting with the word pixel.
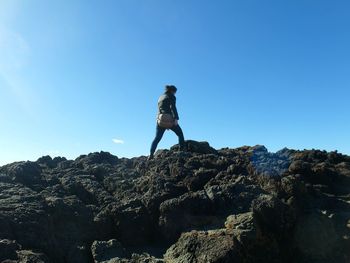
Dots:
pixel 159 134
pixel 178 131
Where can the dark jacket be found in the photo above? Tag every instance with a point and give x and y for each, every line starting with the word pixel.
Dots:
pixel 167 104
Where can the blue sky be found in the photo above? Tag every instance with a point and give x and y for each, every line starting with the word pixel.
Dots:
pixel 74 75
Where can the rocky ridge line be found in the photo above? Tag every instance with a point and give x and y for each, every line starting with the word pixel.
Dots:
pixel 204 205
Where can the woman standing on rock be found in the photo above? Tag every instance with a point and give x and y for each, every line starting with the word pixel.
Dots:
pixel 167 118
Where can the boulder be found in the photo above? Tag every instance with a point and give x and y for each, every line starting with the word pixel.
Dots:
pixel 197 147
pixel 204 246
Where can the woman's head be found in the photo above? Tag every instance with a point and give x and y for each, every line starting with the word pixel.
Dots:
pixel 170 89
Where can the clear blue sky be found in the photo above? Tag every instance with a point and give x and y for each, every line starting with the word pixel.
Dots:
pixel 74 75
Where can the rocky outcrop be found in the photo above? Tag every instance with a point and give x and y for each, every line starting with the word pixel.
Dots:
pixel 203 205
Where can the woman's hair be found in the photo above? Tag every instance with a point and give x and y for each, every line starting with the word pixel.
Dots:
pixel 170 88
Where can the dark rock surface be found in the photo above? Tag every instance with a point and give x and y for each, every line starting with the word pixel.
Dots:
pixel 203 205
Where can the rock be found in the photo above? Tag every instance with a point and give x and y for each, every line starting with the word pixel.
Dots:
pixel 22 215
pixel 202 205
pixel 78 253
pixel 269 164
pixel 300 167
pixel 65 165
pixel 200 177
pixel 243 228
pixel 28 256
pixel 191 210
pixel 143 258
pixel 113 252
pixel 8 249
pixel 106 250
pixel 231 194
pixel 27 173
pixel 133 223
pixel 97 158
pixel 48 162
pixel 203 246
pixel 197 147
pixel 323 173
pixel 316 237
pixel 272 216
pixel 240 221
pixel 11 251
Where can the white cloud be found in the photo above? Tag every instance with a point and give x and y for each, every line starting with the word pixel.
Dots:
pixel 118 141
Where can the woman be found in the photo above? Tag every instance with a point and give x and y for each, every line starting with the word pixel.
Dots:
pixel 167 118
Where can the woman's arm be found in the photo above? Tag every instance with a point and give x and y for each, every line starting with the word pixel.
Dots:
pixel 173 108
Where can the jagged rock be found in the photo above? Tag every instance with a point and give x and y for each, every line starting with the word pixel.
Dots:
pixel 8 249
pixel 316 237
pixel 48 162
pixel 96 158
pixel 113 252
pixel 11 251
pixel 272 216
pixel 300 167
pixel 274 205
pixel 191 210
pixel 243 228
pixel 197 147
pixel 28 256
pixel 203 246
pixel 269 164
pixel 22 215
pixel 133 223
pixel 27 173
pixel 103 251
pixel 142 258
pixel 200 177
pixel 231 194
